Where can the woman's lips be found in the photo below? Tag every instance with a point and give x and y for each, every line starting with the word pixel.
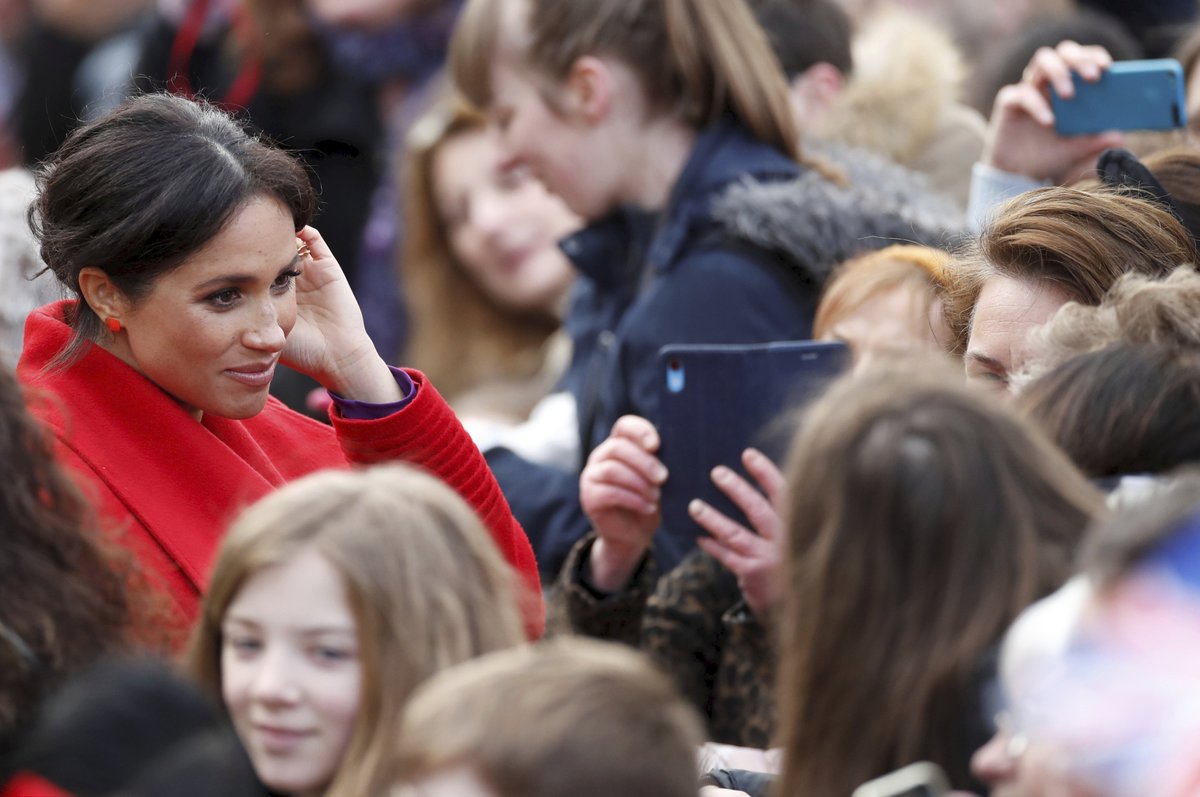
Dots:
pixel 279 741
pixel 252 375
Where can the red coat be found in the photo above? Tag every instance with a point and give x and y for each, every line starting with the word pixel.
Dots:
pixel 171 485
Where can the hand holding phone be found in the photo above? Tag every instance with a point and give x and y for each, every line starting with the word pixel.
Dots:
pixel 1021 136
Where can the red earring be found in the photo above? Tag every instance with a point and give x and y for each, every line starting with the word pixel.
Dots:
pixel 114 326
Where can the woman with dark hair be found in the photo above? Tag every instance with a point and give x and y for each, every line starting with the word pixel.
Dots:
pixel 922 518
pixel 186 244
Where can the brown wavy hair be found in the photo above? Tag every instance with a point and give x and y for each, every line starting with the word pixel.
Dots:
pixel 1083 240
pixel 65 600
pixel 922 518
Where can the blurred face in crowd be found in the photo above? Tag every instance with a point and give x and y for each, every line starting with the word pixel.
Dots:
pixel 502 225
pixel 1006 311
pixel 290 672
pixel 544 140
pixel 564 146
pixel 894 322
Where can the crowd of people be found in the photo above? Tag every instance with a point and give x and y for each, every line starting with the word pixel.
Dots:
pixel 335 342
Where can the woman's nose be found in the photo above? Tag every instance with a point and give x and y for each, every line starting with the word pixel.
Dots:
pixel 274 682
pixel 265 333
pixel 995 763
pixel 489 215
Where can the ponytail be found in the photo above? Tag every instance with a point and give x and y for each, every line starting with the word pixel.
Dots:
pixel 726 64
pixel 697 60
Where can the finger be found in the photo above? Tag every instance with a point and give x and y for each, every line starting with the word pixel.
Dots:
pixel 1024 98
pixel 633 456
pixel 608 497
pixel 757 508
pixel 730 560
pixel 638 429
pixel 316 244
pixel 618 474
pixel 1048 67
pixel 766 473
pixel 1090 62
pixel 727 532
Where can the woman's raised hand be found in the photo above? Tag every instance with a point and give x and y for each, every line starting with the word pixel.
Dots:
pixel 752 556
pixel 1021 138
pixel 329 341
pixel 619 490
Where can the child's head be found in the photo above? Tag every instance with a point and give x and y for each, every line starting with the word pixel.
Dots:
pixel 886 303
pixel 330 600
pixel 574 88
pixel 568 718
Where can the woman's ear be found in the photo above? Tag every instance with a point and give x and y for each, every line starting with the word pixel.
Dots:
pixel 589 89
pixel 101 294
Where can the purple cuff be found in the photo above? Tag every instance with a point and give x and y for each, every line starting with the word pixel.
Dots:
pixel 354 410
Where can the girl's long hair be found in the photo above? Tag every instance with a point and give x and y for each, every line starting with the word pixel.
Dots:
pixel 425 583
pixel 922 519
pixel 698 60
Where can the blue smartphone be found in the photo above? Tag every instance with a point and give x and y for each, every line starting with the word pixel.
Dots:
pixel 1131 95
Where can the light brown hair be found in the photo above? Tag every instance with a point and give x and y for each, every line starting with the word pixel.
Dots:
pixel 485 340
pixel 424 581
pixel 1080 239
pixel 862 278
pixel 697 60
pixel 565 718
pixel 922 518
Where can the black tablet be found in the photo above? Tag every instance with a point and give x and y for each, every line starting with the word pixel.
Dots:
pixel 716 400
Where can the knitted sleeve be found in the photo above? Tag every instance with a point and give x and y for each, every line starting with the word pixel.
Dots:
pixel 427 433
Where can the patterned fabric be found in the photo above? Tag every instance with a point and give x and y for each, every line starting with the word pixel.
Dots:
pixel 694 624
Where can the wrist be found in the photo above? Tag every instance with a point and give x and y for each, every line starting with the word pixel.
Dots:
pixel 363 376
pixel 610 567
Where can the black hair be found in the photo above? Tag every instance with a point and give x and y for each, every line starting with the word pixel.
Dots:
pixel 806 32
pixel 106 727
pixel 138 191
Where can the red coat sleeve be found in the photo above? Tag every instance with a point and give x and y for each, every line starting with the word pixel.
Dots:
pixel 428 433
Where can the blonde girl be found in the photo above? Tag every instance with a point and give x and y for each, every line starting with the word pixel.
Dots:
pixel 330 600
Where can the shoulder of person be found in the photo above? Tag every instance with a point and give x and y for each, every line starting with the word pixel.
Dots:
pixel 814 223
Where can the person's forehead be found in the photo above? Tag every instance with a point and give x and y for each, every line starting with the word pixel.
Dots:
pixel 1008 309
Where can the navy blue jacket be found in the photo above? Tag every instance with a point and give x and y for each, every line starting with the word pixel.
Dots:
pixel 648 282
pixel 739 255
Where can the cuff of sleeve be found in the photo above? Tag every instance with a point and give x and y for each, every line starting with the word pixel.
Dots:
pixel 991 187
pixel 355 410
pixel 576 569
